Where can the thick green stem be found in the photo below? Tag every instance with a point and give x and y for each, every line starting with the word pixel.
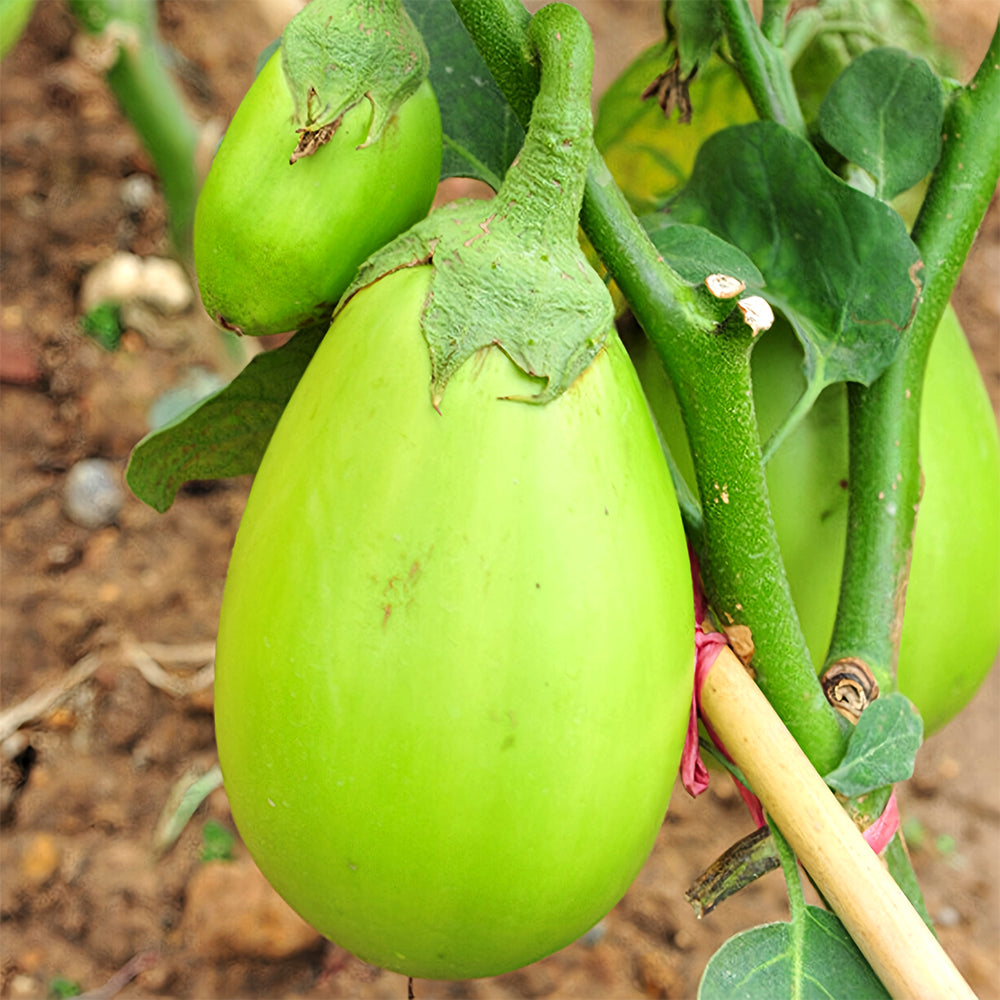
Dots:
pixel 739 553
pixel 885 417
pixel 762 66
pixel 741 564
pixel 551 168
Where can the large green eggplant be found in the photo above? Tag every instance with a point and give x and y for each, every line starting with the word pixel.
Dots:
pixel 455 655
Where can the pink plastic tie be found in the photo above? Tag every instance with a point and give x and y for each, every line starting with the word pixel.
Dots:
pixel 881 832
pixel 707 645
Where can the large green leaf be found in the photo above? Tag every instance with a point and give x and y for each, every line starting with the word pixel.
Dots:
pixel 884 113
pixel 481 134
pixel 224 434
pixel 837 262
pixel 817 960
pixel 882 748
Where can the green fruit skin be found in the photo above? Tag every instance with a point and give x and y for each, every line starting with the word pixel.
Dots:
pixel 951 625
pixel 14 17
pixel 275 245
pixel 456 649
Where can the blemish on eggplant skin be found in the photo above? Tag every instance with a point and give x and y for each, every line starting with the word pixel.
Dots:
pixel 227 325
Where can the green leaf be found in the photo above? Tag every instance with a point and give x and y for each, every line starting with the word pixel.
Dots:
pixel 481 134
pixel 226 433
pixel 837 262
pixel 217 842
pixel 62 987
pixel 14 17
pixel 882 748
pixel 885 113
pixel 695 253
pixel 822 39
pixel 104 324
pixel 818 959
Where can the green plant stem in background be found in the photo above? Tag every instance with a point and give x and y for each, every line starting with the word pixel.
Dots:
pixel 885 417
pixel 772 20
pixel 761 64
pixel 738 550
pixel 150 100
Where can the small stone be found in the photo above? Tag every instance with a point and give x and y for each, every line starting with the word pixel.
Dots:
pixel 125 278
pixel 166 286
pixel 684 940
pixel 659 975
pixel 26 988
pixel 61 719
pixel 93 496
pixel 231 911
pixel 137 191
pixel 594 934
pixel 40 859
pixel 61 556
pixel 947 916
pixel 949 769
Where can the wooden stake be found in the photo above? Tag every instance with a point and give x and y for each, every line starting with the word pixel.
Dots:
pixel 890 933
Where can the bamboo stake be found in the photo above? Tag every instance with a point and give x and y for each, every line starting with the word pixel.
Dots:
pixel 897 943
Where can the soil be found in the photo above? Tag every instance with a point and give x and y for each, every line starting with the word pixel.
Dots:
pixel 123 616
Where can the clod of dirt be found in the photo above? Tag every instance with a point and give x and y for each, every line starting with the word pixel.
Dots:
pixel 232 912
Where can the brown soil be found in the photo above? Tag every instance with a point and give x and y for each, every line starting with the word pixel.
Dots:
pixel 86 781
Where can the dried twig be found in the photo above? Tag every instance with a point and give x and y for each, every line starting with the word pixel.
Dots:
pixel 44 700
pixel 139 656
pixel 145 657
pixel 142 962
pixel 193 653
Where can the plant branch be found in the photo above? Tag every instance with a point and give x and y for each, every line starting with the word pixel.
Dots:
pixel 885 417
pixel 761 65
pixel 150 100
pixel 738 550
